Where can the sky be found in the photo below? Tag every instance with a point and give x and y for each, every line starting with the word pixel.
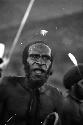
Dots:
pixel 12 11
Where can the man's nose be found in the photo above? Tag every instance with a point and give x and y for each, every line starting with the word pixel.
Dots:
pixel 40 61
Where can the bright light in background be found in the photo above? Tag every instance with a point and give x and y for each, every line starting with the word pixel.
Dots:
pixel 5 63
pixel 73 59
pixel 43 32
pixel 2 49
pixel 5 60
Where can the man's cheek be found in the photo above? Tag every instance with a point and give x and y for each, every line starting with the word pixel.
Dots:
pixel 48 65
pixel 30 61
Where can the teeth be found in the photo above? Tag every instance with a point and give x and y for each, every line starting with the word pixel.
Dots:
pixel 38 71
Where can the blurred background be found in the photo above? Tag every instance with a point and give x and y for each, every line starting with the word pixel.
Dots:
pixel 62 18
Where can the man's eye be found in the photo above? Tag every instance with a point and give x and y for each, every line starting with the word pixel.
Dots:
pixel 46 58
pixel 34 56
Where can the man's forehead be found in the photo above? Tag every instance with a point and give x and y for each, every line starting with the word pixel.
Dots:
pixel 40 48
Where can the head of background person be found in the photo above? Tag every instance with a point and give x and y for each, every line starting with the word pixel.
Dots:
pixel 37 60
pixel 73 80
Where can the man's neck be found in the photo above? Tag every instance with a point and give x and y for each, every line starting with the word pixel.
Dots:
pixel 30 84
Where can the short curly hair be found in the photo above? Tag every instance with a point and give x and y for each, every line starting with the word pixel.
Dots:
pixel 25 52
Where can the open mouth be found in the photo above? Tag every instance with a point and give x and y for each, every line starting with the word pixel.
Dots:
pixel 39 71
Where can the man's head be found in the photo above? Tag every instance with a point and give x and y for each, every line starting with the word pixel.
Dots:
pixel 73 76
pixel 37 60
pixel 73 81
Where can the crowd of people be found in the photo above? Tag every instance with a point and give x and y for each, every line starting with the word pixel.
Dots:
pixel 30 101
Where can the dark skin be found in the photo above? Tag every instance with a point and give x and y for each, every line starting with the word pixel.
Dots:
pixel 73 102
pixel 39 60
pixel 28 97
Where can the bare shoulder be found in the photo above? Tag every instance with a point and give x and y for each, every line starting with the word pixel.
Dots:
pixel 52 90
pixel 53 94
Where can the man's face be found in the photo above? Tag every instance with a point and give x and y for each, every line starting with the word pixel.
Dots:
pixel 39 60
pixel 80 89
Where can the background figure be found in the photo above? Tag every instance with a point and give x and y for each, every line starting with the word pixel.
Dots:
pixel 28 100
pixel 73 102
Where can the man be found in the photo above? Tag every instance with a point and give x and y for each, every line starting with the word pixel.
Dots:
pixel 73 103
pixel 22 99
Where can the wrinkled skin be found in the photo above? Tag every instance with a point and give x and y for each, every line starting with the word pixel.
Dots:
pixel 39 64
